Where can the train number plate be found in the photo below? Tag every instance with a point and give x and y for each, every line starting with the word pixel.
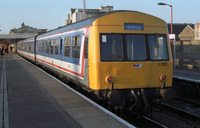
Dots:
pixel 162 64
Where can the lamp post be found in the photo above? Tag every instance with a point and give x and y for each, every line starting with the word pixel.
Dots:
pixel 171 28
pixel 171 14
pixel 84 7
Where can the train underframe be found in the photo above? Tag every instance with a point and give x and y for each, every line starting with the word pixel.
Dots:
pixel 138 101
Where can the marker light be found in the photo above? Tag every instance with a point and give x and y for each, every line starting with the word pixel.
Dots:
pixel 109 79
pixel 163 77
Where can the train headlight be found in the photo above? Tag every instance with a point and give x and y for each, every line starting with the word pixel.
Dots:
pixel 109 79
pixel 163 77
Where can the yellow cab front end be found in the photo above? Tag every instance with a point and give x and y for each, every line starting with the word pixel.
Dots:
pixel 129 50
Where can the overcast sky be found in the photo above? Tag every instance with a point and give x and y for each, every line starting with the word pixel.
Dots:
pixel 49 14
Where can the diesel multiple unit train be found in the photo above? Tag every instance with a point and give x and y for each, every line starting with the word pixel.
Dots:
pixel 123 57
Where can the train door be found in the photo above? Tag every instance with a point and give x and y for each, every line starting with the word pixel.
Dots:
pixel 86 61
pixel 35 48
pixel 61 49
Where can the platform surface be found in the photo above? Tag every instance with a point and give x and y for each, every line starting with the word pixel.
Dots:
pixel 36 100
pixel 190 75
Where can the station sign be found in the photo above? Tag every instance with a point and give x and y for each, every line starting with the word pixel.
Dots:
pixel 172 36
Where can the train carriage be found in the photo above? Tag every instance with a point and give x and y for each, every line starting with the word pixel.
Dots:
pixel 121 56
pixel 63 51
pixel 26 49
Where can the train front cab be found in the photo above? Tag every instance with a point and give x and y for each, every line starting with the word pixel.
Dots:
pixel 129 51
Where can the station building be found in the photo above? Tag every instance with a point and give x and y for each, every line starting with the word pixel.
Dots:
pixel 16 34
pixel 187 45
pixel 80 14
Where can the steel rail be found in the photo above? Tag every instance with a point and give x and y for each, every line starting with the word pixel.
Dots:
pixel 194 116
pixel 154 122
pixel 188 100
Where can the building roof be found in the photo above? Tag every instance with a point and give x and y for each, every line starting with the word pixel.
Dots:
pixel 187 33
pixel 26 29
pixel 178 28
pixel 17 36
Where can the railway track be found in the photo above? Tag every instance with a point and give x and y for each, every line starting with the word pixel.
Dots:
pixel 186 107
pixel 152 123
pixel 189 100
pixel 140 122
pixel 186 87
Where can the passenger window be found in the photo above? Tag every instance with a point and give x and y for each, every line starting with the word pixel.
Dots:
pixel 111 47
pixel 136 48
pixel 26 46
pixel 42 49
pixel 67 46
pixel 48 45
pixel 38 46
pixel 45 47
pixel 51 47
pixel 158 47
pixel 31 47
pixel 56 47
pixel 23 46
pixel 76 41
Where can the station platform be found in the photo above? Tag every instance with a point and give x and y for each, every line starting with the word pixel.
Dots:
pixel 29 98
pixel 188 75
